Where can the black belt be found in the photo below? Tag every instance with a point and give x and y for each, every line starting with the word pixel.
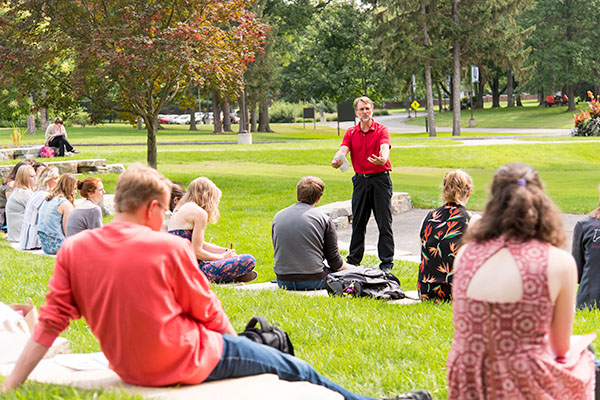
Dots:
pixel 374 174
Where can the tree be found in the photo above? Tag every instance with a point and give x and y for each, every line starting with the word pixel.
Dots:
pixel 565 44
pixel 149 50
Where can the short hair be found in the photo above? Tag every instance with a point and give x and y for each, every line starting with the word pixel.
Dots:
pixel 37 165
pixel 138 185
pixel 456 186
pixel 45 176
pixel 58 120
pixel 309 189
pixel 518 209
pixel 364 99
pixel 66 186
pixel 177 192
pixel 22 177
pixel 206 194
pixel 88 186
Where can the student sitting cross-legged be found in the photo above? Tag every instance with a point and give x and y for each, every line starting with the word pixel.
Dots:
pixel 305 241
pixel 153 312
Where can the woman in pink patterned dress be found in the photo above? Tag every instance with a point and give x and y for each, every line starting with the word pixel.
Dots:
pixel 514 301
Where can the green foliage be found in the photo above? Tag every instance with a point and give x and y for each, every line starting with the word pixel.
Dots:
pixel 81 118
pixel 282 111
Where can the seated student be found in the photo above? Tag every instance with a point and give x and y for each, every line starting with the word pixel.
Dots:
pixel 514 301
pixel 586 251
pixel 56 136
pixel 198 207
pixel 6 188
pixel 304 239
pixel 54 213
pixel 46 181
pixel 441 233
pixel 87 214
pixel 15 205
pixel 176 330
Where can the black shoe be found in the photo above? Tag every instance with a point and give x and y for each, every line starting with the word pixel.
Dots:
pixel 414 395
pixel 386 268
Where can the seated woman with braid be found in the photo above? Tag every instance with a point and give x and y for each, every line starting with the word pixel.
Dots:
pixel 198 207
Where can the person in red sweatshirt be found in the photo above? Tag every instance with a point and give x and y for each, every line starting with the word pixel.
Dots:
pixel 150 307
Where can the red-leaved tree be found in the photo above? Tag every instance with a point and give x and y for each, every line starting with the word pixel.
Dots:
pixel 140 54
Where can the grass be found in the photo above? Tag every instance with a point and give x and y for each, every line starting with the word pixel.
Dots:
pixel 369 346
pixel 531 116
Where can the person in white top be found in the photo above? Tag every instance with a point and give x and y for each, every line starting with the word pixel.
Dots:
pixel 15 205
pixel 56 136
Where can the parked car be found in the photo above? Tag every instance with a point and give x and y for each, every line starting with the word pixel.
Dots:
pixel 183 119
pixel 164 118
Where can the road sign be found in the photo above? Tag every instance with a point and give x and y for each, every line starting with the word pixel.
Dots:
pixel 415 104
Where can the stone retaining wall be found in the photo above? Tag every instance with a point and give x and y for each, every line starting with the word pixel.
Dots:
pixel 91 166
pixel 341 211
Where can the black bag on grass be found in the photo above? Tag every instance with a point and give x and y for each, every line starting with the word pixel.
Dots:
pixel 364 282
pixel 267 334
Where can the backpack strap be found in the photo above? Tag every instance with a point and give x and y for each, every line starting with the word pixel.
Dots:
pixel 264 324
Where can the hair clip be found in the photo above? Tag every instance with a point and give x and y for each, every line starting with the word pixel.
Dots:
pixel 521 182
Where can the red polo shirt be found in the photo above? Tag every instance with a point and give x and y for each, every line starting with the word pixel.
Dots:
pixel 363 144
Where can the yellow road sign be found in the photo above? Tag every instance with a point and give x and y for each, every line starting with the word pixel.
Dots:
pixel 415 104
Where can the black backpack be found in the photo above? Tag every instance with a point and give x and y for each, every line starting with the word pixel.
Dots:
pixel 268 335
pixel 364 282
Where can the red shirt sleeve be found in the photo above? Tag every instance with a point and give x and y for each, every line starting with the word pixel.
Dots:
pixel 60 308
pixel 384 137
pixel 192 291
pixel 347 141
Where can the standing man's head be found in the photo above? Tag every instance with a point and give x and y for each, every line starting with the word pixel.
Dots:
pixel 363 108
pixel 309 190
pixel 142 195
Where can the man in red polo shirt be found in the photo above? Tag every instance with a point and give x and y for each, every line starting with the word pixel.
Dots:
pixel 369 146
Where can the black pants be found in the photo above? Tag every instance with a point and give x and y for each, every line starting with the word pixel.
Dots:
pixel 61 142
pixel 372 193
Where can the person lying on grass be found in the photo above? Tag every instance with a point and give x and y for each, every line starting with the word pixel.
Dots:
pixel 198 207
pixel 150 307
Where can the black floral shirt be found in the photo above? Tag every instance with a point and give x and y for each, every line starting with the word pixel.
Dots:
pixel 440 236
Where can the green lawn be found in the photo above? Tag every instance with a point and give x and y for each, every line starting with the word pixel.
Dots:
pixel 369 346
pixel 531 116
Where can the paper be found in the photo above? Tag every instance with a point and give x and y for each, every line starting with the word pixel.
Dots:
pixel 345 164
pixel 82 362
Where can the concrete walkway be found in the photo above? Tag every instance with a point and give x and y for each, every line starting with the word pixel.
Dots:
pixel 407 226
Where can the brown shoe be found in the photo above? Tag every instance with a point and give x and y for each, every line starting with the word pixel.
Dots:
pixel 249 277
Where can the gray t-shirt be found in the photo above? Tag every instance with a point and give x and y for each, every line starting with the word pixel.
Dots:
pixel 81 219
pixel 303 237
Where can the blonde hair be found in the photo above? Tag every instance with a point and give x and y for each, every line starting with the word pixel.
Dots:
pixel 66 186
pixel 364 99
pixel 22 177
pixel 138 185
pixel 45 176
pixel 456 186
pixel 206 194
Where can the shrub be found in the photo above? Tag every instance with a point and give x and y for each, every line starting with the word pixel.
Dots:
pixel 381 112
pixel 282 111
pixel 81 118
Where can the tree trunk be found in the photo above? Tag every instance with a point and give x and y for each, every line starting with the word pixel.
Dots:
pixel 151 127
pixel 263 115
pixel 509 89
pixel 480 90
pixel 495 86
pixel 253 118
pixel 456 88
pixel 43 113
pixel 541 97
pixel 193 120
pixel 429 90
pixel 519 104
pixel 218 127
pixel 440 99
pixel 571 96
pixel 322 112
pixel 31 129
pixel 226 117
pixel 428 84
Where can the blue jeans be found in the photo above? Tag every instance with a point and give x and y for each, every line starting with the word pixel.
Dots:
pixel 243 357
pixel 302 285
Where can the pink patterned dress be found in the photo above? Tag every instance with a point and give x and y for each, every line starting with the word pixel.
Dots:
pixel 500 350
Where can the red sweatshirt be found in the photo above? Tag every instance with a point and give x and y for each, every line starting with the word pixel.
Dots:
pixel 144 298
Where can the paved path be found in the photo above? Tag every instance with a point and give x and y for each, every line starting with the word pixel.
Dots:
pixel 407 226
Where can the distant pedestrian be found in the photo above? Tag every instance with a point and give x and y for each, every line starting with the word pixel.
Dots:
pixel 56 136
pixel 369 146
